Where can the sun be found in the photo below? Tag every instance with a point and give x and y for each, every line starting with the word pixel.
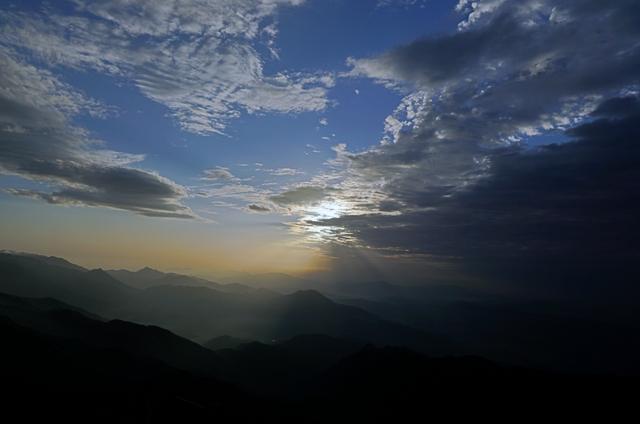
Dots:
pixel 326 210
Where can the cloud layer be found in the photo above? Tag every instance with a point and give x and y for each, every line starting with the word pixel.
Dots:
pixel 198 58
pixel 456 175
pixel 201 59
pixel 38 142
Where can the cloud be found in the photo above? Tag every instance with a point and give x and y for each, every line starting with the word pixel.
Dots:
pixel 455 176
pixel 558 219
pixel 303 195
pixel 516 70
pixel 542 200
pixel 218 173
pixel 257 208
pixel 38 143
pixel 283 172
pixel 519 50
pixel 324 121
pixel 199 59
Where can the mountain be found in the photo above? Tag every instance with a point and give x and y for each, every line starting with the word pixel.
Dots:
pixel 309 312
pixel 201 313
pixel 276 281
pixel 57 319
pixel 49 378
pixel 289 368
pixel 531 334
pixel 140 279
pixel 50 260
pixel 30 276
pixel 147 277
pixel 73 367
pixel 382 291
pixel 394 384
pixel 225 342
pixel 12 305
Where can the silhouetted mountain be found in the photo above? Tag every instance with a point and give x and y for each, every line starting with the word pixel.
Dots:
pixel 531 335
pixel 277 281
pixel 55 318
pixel 309 312
pixel 50 379
pixel 201 313
pixel 49 260
pixel 289 368
pixel 398 385
pixel 382 291
pixel 225 342
pixel 10 305
pixel 528 334
pixel 140 279
pixel 29 276
pixel 320 346
pixel 75 367
pixel 148 277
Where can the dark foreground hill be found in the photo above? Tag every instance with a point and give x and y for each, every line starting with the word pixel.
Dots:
pixel 59 320
pixel 126 373
pixel 50 379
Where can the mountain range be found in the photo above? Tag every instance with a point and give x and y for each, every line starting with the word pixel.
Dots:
pixel 84 345
pixel 200 312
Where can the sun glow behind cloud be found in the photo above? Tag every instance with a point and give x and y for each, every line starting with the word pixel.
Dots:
pixel 325 210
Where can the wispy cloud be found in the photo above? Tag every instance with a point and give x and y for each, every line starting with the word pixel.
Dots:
pixel 283 172
pixel 218 173
pixel 257 208
pixel 37 142
pixel 197 58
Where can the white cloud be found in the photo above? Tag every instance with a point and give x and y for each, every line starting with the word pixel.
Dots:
pixel 218 173
pixel 198 58
pixel 283 172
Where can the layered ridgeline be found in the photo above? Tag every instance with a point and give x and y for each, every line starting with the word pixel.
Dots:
pixel 531 334
pixel 61 362
pixel 71 349
pixel 201 310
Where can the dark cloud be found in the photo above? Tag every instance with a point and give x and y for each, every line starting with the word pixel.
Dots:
pixel 518 70
pixel 303 195
pixel 38 143
pixel 526 67
pixel 257 208
pixel 523 36
pixel 456 179
pixel 557 216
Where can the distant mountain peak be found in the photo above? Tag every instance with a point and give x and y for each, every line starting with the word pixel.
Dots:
pixel 49 260
pixel 149 270
pixel 309 296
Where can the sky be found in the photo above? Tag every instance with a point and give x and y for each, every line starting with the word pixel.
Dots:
pixel 408 140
